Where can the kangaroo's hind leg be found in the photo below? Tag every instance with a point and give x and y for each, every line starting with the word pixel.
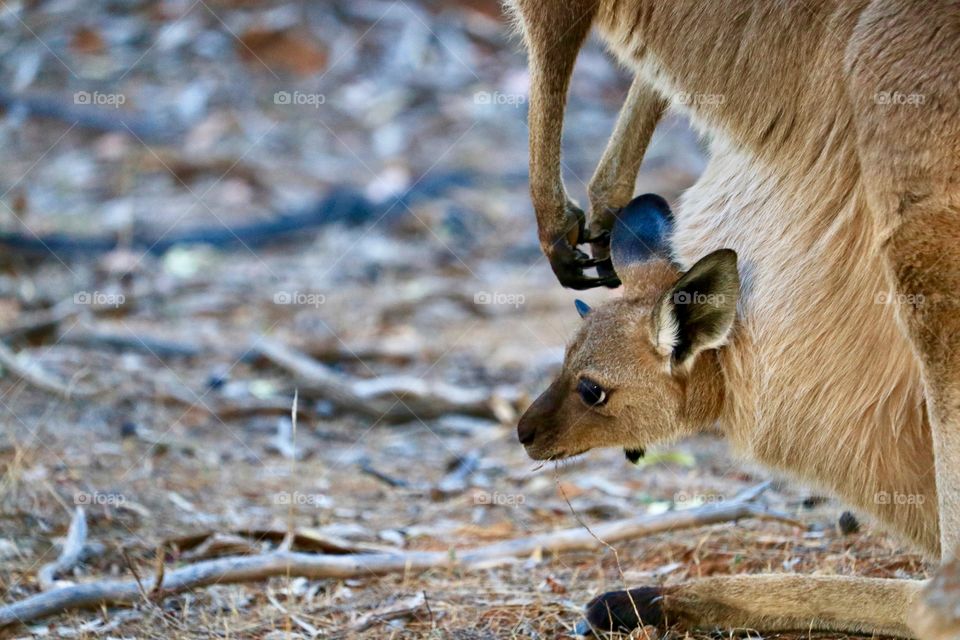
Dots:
pixel 909 148
pixel 936 616
pixel 767 603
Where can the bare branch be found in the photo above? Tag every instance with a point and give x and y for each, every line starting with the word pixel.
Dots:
pixel 286 563
pixel 396 398
pixel 34 376
pixel 69 555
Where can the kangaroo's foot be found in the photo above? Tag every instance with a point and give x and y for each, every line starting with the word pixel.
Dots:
pixel 772 602
pixel 569 262
pixel 622 611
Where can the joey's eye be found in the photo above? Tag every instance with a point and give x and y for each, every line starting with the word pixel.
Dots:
pixel 592 394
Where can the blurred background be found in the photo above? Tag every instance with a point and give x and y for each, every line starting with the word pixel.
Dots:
pixel 209 206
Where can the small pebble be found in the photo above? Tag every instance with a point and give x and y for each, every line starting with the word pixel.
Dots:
pixel 848 523
pixel 216 381
pixel 128 429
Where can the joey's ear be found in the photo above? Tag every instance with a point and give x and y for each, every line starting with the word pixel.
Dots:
pixel 641 232
pixel 697 313
pixel 582 307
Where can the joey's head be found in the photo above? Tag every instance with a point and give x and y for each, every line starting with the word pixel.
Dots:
pixel 642 369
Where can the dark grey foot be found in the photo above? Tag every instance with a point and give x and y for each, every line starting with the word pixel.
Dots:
pixel 622 611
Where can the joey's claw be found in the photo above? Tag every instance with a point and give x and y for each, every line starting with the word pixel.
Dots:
pixel 569 263
pixel 580 256
pixel 601 263
pixel 587 262
pixel 583 282
pixel 610 282
pixel 602 239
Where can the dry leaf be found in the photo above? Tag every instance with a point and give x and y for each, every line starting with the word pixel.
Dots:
pixel 87 40
pixel 553 585
pixel 283 51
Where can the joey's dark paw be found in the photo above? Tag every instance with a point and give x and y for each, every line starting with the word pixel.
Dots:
pixel 569 264
pixel 622 611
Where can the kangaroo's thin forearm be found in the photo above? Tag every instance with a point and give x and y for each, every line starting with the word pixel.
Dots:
pixel 613 182
pixel 553 40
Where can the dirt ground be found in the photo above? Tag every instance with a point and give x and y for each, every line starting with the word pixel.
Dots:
pixel 169 425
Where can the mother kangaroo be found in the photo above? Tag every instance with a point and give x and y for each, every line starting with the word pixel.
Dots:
pixel 834 173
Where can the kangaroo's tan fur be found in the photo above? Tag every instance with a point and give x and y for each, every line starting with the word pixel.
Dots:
pixel 834 132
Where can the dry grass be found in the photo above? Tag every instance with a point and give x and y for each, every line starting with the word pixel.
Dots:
pixel 532 598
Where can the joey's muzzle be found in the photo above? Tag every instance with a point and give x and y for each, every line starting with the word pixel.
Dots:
pixel 526 430
pixel 536 422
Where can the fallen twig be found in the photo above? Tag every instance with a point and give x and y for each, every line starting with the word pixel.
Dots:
pixel 125 342
pixel 406 607
pixel 227 408
pixel 89 116
pixel 304 539
pixel 221 544
pixel 69 555
pixel 40 320
pixel 366 351
pixel 391 399
pixel 341 205
pixel 163 348
pixel 368 468
pixel 36 377
pixel 286 563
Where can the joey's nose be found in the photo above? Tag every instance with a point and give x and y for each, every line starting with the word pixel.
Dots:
pixel 526 430
pixel 539 415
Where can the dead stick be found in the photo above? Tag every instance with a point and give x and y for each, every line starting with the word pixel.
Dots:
pixel 391 399
pixel 34 376
pixel 313 376
pixel 400 609
pixel 41 320
pixel 308 565
pixel 69 555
